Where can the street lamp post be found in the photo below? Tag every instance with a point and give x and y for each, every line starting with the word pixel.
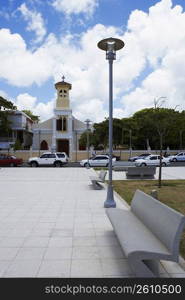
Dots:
pixel 180 134
pixel 76 132
pixel 130 142
pixel 87 126
pixel 110 45
pixel 39 142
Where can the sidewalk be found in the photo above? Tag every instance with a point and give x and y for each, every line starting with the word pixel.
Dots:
pixel 53 224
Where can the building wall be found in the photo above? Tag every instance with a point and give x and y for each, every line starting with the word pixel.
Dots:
pixel 47 136
pixel 46 124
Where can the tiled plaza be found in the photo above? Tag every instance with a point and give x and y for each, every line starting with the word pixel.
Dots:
pixel 53 224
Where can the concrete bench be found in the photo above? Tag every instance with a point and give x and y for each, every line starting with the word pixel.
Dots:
pixel 141 171
pixel 148 232
pixel 97 179
pixel 120 168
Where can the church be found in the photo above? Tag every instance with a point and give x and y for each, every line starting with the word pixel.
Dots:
pixel 62 132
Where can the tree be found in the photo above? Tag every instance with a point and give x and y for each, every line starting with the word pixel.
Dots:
pixel 117 131
pixel 17 145
pixel 145 129
pixel 158 127
pixel 5 106
pixel 128 129
pixel 162 118
pixel 157 122
pixel 180 129
pixel 83 139
pixel 100 134
pixel 34 118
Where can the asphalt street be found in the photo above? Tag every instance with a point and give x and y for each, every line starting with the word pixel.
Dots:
pixel 117 163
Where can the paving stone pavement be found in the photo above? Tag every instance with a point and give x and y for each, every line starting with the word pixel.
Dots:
pixel 53 224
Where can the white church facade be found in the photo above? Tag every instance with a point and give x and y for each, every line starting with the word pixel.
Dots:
pixel 60 133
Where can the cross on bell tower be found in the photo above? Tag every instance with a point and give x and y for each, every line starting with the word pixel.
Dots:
pixel 63 77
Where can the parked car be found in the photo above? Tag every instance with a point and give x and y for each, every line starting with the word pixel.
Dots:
pixel 134 158
pixel 178 157
pixel 10 160
pixel 49 159
pixel 114 156
pixel 152 160
pixel 97 161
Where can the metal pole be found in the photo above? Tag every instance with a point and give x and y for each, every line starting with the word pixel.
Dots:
pixel 130 134
pixel 39 142
pixel 76 145
pixel 88 144
pixel 110 196
pixel 180 140
pixel 110 45
pixel 122 136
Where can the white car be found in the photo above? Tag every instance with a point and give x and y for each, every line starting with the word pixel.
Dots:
pixel 49 159
pixel 152 160
pixel 97 161
pixel 178 157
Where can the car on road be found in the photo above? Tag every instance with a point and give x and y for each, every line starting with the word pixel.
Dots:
pixel 49 159
pixel 177 157
pixel 117 158
pixel 10 160
pixel 97 161
pixel 152 160
pixel 134 158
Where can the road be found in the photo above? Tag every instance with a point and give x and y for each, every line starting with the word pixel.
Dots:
pixel 117 163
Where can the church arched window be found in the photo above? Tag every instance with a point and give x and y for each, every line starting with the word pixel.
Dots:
pixel 43 145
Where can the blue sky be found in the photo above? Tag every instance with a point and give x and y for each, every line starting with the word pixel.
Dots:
pixel 42 40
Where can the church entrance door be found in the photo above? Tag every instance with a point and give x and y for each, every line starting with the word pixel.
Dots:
pixel 63 146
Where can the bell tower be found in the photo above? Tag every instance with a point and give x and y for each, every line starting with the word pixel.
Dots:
pixel 62 101
pixel 62 137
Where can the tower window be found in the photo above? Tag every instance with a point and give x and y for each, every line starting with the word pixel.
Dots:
pixel 64 124
pixel 61 124
pixel 63 93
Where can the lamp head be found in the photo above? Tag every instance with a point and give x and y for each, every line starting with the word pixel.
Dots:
pixel 111 45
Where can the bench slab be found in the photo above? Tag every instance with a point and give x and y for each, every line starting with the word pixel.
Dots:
pixel 148 232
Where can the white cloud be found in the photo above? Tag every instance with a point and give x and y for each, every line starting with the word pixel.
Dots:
pixel 92 109
pixel 19 66
pixel 25 101
pixel 75 6
pixel 28 102
pixel 35 22
pixel 153 55
pixel 118 113
pixel 162 43
pixel 44 110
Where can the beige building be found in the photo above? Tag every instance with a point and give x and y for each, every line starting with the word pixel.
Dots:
pixel 62 132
